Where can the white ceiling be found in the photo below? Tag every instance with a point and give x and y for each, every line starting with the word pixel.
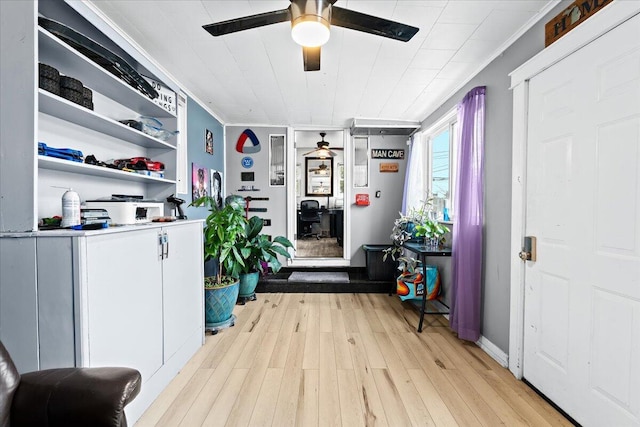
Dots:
pixel 256 76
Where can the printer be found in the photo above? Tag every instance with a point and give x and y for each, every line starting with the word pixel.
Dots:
pixel 128 210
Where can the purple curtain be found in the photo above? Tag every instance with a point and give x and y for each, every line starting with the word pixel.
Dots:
pixel 466 258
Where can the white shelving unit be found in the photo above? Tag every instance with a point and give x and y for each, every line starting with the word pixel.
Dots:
pixel 67 60
pixel 56 106
pixel 82 168
pixel 60 303
pixel 69 125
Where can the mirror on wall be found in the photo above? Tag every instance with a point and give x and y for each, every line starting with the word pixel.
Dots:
pixel 276 160
pixel 319 176
pixel 361 162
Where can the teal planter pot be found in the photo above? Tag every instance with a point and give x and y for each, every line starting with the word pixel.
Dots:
pixel 248 283
pixel 218 305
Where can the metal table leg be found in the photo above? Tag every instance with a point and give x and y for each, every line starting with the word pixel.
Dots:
pixel 424 291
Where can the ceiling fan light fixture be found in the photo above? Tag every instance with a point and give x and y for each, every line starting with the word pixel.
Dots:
pixel 310 31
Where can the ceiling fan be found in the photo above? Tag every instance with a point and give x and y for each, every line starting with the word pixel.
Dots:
pixel 322 169
pixel 323 148
pixel 310 22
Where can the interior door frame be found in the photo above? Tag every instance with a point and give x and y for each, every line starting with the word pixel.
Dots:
pixel 604 21
pixel 345 261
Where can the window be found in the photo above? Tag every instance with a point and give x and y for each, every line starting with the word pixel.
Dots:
pixel 432 167
pixel 440 161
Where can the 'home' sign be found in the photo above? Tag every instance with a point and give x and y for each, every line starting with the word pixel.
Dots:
pixel 571 17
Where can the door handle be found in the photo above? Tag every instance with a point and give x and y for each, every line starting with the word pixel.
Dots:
pixel 528 252
pixel 166 243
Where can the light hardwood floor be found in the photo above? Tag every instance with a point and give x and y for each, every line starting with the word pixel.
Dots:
pixel 318 248
pixel 343 360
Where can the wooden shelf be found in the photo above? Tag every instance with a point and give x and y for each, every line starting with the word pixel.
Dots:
pixel 68 61
pixel 53 163
pixel 66 110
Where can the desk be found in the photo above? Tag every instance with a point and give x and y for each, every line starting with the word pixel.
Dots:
pixel 423 252
pixel 335 222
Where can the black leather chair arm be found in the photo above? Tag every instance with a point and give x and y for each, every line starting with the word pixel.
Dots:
pixel 74 397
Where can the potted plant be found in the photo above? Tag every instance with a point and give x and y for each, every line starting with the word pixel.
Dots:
pixel 433 233
pixel 258 251
pixel 415 224
pixel 222 229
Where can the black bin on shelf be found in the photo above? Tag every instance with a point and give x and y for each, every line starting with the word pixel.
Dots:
pixel 376 268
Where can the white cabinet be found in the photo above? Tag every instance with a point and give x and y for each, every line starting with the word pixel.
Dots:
pixel 123 283
pixel 127 296
pixel 179 272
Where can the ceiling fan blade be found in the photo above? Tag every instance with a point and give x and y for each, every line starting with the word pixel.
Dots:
pixel 248 22
pixel 371 24
pixel 310 152
pixel 311 57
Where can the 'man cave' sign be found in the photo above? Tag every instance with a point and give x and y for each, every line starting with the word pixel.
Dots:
pixel 387 154
pixel 571 17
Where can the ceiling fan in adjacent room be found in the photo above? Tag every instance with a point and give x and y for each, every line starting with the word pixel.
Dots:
pixel 310 22
pixel 323 148
pixel 322 169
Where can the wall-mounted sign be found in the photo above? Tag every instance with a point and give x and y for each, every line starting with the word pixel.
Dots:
pixel 248 142
pixel 378 153
pixel 166 97
pixel 362 199
pixel 388 167
pixel 571 17
pixel 247 162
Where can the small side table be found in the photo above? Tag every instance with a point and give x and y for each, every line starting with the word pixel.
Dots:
pixel 423 252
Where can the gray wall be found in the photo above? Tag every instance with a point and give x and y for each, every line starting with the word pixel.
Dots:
pixel 198 119
pixel 277 204
pixel 372 224
pixel 497 172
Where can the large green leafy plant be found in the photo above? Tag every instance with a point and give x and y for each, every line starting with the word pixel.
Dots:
pixel 258 250
pixel 223 228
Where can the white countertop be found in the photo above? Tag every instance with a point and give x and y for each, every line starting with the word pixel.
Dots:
pixel 112 229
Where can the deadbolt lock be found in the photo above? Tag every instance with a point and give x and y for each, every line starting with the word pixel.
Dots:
pixel 528 253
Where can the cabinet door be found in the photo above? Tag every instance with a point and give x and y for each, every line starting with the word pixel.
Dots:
pixel 182 285
pixel 124 300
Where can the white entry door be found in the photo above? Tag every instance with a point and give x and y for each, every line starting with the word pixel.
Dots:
pixel 582 295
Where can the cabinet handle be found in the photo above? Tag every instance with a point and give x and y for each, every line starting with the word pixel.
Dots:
pixel 166 246
pixel 160 247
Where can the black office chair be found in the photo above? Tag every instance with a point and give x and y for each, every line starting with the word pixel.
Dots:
pixel 309 215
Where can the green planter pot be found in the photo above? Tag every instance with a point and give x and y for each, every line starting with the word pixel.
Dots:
pixel 248 283
pixel 218 306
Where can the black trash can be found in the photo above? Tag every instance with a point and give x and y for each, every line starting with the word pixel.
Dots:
pixel 376 268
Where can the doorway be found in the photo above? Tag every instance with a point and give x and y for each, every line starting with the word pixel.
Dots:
pixel 318 223
pixel 580 296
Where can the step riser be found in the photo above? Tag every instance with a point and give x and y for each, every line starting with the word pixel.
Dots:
pixel 358 282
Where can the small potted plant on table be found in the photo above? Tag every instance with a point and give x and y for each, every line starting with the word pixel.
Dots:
pixel 417 223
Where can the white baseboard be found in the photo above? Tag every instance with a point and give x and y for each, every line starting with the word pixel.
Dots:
pixel 492 350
